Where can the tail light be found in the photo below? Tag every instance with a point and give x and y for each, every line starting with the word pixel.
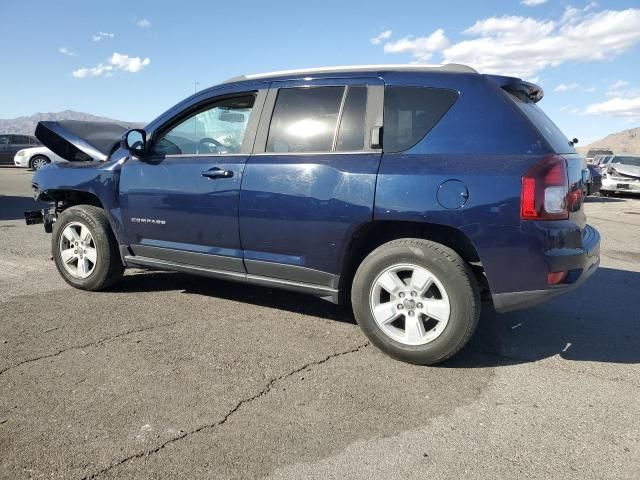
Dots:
pixel 545 191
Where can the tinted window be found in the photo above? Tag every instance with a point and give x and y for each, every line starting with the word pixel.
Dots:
pixel 34 141
pixel 304 119
pixel 4 139
pixel 217 130
pixel 20 140
pixel 411 112
pixel 552 134
pixel 351 133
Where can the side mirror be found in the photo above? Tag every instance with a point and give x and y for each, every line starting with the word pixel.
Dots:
pixel 135 141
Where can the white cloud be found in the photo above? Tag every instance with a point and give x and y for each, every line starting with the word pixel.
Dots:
pixel 421 48
pixel 565 87
pixel 616 107
pixel 619 85
pixel 66 51
pixel 532 3
pixel 379 38
pixel 117 62
pixel 524 46
pixel 144 23
pixel 98 37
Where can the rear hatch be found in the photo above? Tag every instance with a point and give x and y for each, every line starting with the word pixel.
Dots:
pixel 76 140
pixel 525 96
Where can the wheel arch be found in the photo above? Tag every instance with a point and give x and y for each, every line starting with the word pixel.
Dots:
pixel 371 235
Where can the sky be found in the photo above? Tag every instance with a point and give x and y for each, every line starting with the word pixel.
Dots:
pixel 134 60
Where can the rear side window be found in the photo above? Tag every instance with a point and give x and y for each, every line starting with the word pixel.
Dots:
pixel 411 112
pixel 20 140
pixel 305 119
pixel 551 133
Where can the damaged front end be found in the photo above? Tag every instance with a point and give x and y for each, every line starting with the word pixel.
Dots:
pixel 46 216
pixel 91 149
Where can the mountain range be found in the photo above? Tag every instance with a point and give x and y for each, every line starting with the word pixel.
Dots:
pixel 626 141
pixel 27 125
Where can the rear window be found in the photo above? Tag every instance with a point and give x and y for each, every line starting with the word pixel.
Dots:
pixel 551 133
pixel 411 112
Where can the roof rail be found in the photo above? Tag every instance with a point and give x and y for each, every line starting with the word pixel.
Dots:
pixel 449 67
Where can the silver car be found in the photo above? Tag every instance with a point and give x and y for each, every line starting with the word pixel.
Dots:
pixel 622 174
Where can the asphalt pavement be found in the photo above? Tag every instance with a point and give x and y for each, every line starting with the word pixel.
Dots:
pixel 172 376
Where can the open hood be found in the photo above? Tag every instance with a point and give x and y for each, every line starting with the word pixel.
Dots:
pixel 76 140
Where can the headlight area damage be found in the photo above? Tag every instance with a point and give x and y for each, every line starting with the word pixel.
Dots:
pixel 86 145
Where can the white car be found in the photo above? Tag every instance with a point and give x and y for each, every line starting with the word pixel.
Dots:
pixel 36 158
pixel 622 174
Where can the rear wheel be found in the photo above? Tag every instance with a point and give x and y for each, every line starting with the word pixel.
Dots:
pixel 85 250
pixel 39 161
pixel 416 300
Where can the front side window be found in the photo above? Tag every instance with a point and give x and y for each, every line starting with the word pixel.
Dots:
pixel 305 119
pixel 220 129
pixel 4 139
pixel 411 112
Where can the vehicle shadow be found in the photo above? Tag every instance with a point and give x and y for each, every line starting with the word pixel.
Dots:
pixel 592 199
pixel 599 322
pixel 153 281
pixel 13 207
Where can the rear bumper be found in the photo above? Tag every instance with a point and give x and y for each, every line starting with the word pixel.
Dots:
pixel 580 265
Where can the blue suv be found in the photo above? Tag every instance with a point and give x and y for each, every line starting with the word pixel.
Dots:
pixel 410 193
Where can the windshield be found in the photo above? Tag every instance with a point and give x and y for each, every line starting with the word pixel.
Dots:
pixel 552 134
pixel 627 160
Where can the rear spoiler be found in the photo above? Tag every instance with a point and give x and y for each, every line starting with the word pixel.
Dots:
pixel 518 86
pixel 530 90
pixel 81 141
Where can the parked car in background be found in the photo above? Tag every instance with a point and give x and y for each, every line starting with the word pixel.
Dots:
pixel 595 180
pixel 10 144
pixel 296 180
pixel 35 158
pixel 594 152
pixel 622 174
pixel 601 161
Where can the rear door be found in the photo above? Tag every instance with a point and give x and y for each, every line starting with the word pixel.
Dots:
pixel 310 183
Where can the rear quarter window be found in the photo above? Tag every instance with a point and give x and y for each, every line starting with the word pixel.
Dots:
pixel 411 112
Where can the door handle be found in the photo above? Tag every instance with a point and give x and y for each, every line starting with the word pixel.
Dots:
pixel 217 173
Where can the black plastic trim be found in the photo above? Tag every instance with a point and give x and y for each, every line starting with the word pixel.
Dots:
pixel 291 272
pixel 218 262
pixel 327 293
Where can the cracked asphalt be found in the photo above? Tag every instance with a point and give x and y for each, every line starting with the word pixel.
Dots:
pixel 171 376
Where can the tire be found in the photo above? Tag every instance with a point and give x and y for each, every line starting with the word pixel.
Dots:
pixel 417 339
pixel 38 161
pixel 101 265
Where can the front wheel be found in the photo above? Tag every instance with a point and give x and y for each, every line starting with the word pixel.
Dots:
pixel 84 248
pixel 416 300
pixel 39 161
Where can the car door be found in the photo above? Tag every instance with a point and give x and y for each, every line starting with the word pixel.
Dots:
pixel 310 183
pixel 180 203
pixel 5 156
pixel 18 142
